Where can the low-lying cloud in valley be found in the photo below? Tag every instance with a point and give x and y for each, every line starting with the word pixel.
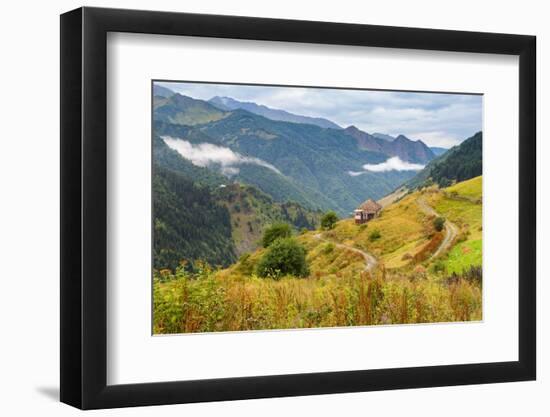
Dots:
pixel 391 164
pixel 207 154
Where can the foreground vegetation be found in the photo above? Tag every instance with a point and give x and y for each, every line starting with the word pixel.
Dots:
pixel 208 301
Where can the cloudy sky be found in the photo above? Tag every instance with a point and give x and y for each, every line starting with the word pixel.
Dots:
pixel 441 120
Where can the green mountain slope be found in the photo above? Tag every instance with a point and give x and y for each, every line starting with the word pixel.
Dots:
pixel 167 158
pixel 183 110
pixel 282 188
pixel 189 224
pixel 252 211
pixel 279 187
pixel 202 215
pixel 460 163
pixel 317 160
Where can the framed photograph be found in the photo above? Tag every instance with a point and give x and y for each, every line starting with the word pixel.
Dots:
pixel 259 208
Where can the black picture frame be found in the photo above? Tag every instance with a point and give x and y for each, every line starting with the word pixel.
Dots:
pixel 84 207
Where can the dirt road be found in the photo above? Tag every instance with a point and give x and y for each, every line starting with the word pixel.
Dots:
pixel 370 261
pixel 451 230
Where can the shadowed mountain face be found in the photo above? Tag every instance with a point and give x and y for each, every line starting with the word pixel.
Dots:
pixel 406 149
pixel 412 151
pixel 227 104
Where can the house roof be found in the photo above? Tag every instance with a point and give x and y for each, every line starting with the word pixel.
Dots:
pixel 370 206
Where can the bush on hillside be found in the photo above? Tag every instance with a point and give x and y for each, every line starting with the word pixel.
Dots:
pixel 328 220
pixel 283 257
pixel 374 235
pixel 274 232
pixel 439 223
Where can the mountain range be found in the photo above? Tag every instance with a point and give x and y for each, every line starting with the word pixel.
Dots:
pixel 312 164
pixel 401 146
pixel 436 150
pixel 229 104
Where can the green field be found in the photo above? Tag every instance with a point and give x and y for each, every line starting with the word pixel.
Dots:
pixel 471 188
pixel 461 204
pixel 464 255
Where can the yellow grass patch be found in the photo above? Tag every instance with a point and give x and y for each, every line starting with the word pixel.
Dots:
pixel 400 225
pixel 471 188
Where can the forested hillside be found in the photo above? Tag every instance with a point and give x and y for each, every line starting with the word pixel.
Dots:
pixel 460 163
pixel 167 158
pixel 252 211
pixel 189 224
pixel 314 164
pixel 185 110
pixel 200 214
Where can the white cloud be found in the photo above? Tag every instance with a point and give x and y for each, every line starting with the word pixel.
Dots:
pixel 206 154
pixel 391 164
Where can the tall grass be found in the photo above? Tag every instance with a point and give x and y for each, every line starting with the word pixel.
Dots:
pixel 208 301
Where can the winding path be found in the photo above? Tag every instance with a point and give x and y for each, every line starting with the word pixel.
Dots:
pixel 451 230
pixel 370 261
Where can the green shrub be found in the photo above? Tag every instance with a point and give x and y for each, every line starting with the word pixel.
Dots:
pixel 374 235
pixel 274 232
pixel 439 222
pixel 328 220
pixel 284 257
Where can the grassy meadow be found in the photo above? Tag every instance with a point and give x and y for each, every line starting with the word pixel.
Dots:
pixel 462 205
pixel 407 284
